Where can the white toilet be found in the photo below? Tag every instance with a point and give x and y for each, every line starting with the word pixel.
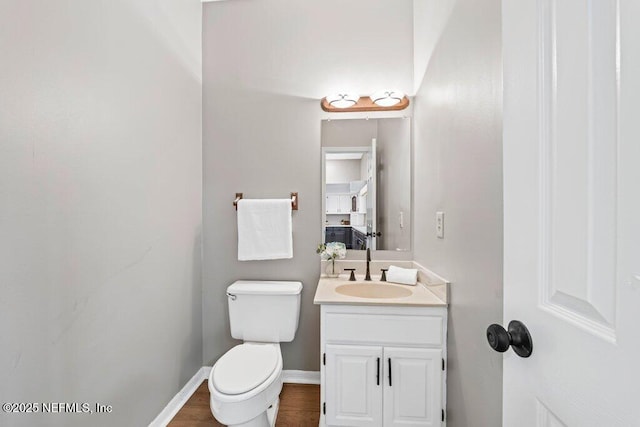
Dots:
pixel 246 381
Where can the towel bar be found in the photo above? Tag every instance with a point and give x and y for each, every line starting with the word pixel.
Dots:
pixel 294 200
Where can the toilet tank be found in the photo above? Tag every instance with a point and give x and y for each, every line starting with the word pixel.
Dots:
pixel 264 311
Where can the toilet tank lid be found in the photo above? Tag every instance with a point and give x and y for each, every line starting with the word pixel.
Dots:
pixel 263 287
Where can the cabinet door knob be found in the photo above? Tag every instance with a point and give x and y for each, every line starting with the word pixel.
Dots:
pixel 378 373
pixel 389 372
pixel 517 337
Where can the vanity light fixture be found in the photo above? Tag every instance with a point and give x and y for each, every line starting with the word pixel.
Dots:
pixel 381 101
pixel 342 100
pixel 387 98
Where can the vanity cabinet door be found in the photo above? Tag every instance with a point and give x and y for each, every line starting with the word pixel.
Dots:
pixel 412 387
pixel 353 377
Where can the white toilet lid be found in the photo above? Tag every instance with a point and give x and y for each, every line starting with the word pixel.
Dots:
pixel 244 367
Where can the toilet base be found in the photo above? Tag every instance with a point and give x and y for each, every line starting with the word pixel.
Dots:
pixel 272 412
pixel 265 419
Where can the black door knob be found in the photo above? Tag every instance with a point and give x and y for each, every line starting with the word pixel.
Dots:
pixel 517 337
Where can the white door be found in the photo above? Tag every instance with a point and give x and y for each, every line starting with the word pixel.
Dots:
pixel 354 385
pixel 412 387
pixel 572 211
pixel 372 218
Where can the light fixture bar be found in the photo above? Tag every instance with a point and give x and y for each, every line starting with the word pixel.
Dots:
pixel 364 103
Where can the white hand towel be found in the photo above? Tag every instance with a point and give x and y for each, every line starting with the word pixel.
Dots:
pixel 264 229
pixel 405 276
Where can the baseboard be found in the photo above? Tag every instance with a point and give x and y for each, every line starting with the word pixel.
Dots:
pixel 301 377
pixel 178 401
pixel 181 398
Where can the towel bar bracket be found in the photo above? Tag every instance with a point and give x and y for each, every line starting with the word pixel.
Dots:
pixel 237 199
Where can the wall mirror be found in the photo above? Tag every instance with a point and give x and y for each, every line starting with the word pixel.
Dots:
pixel 366 183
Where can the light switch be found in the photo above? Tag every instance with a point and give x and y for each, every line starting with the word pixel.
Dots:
pixel 440 225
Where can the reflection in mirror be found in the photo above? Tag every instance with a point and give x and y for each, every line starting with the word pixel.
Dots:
pixel 366 183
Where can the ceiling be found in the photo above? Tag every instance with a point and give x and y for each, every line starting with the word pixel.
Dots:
pixel 312 48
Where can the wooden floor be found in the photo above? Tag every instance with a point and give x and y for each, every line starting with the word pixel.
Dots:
pixel 299 406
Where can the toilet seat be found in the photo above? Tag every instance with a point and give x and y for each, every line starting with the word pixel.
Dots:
pixel 244 367
pixel 237 409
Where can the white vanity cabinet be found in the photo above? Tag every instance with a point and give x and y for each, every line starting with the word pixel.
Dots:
pixel 414 396
pixel 353 378
pixel 383 365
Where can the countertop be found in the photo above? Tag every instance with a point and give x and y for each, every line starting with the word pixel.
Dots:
pixel 421 294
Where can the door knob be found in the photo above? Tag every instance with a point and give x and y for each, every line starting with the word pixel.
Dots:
pixel 517 337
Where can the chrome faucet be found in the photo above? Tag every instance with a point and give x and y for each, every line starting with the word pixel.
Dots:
pixel 368 275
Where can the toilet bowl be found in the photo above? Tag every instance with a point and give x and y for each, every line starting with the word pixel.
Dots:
pixel 245 383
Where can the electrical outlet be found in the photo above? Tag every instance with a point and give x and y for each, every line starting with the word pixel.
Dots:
pixel 440 225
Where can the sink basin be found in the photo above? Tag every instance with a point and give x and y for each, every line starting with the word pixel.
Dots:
pixel 372 290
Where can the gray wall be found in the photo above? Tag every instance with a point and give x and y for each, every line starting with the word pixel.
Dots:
pixel 394 183
pixel 266 66
pixel 348 133
pixel 458 169
pixel 100 206
pixel 269 158
pixel 342 171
